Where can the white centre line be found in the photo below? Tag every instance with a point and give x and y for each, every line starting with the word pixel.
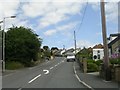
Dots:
pixel 34 78
pixel 51 68
pixel 55 65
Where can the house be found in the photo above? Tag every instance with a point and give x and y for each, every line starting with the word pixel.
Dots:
pixel 98 52
pixel 77 50
pixel 114 45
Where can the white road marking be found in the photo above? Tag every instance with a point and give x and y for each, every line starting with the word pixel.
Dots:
pixel 20 89
pixel 81 80
pixel 51 68
pixel 46 71
pixel 34 78
pixel 55 65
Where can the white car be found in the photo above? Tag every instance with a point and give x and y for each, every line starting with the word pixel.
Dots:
pixel 70 57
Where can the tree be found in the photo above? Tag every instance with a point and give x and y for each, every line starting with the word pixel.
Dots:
pixel 45 48
pixel 85 53
pixel 54 50
pixel 46 51
pixel 21 45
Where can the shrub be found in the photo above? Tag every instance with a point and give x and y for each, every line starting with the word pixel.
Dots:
pixel 90 61
pixel 119 61
pixel 92 67
pixel 98 62
pixel 13 65
pixel 114 61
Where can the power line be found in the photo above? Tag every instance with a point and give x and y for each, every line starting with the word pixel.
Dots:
pixel 82 17
pixel 75 26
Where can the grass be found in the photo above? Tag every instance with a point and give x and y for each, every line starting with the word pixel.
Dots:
pixel 13 65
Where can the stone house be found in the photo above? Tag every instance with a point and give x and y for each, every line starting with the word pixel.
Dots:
pixel 114 45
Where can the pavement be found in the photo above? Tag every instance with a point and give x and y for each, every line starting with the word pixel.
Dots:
pixel 95 81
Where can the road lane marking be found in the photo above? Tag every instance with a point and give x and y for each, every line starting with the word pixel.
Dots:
pixel 46 71
pixel 51 68
pixel 34 78
pixel 55 65
pixel 80 79
pixel 19 88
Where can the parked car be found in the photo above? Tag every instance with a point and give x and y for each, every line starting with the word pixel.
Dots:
pixel 70 57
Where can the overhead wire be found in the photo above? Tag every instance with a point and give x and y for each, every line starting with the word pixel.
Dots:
pixel 82 19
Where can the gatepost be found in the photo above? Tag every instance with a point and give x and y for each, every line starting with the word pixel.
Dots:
pixel 85 65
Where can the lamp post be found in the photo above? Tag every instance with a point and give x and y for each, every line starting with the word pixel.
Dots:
pixel 3 43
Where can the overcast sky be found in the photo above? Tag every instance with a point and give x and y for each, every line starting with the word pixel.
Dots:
pixel 55 21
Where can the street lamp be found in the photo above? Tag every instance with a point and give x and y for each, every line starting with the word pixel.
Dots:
pixel 3 44
pixel 1 21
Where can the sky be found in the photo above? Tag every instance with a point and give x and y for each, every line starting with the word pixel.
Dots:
pixel 55 21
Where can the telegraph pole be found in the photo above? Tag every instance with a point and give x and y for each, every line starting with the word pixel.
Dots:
pixel 75 41
pixel 106 55
pixel 63 47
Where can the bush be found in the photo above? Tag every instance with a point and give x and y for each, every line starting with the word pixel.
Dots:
pixel 98 62
pixel 114 61
pixel 90 61
pixel 13 65
pixel 119 61
pixel 92 67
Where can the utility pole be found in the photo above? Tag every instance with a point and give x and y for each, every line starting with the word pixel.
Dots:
pixel 63 47
pixel 75 41
pixel 106 55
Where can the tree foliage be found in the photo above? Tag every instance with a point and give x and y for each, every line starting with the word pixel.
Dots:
pixel 85 53
pixel 46 50
pixel 21 45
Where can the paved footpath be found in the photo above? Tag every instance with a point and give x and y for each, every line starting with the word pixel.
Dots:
pixel 94 80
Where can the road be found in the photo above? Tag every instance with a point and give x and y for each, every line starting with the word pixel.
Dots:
pixel 52 74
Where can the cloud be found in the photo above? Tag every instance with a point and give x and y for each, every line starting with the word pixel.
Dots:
pixel 95 5
pixel 61 29
pixel 8 8
pixel 50 32
pixel 67 27
pixel 52 18
pixel 111 11
pixel 51 12
pixel 85 43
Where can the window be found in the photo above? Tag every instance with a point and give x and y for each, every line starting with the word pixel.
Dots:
pixel 95 57
pixel 98 51
pixel 98 56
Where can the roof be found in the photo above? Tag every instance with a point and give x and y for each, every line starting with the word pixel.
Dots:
pixel 114 41
pixel 99 46
pixel 117 34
